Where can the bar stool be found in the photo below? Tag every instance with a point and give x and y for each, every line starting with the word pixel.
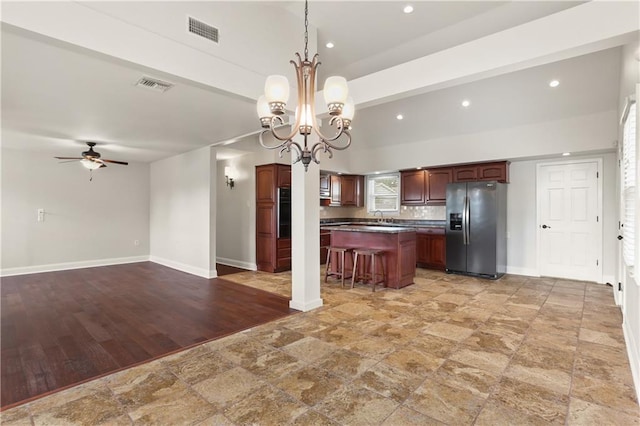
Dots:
pixel 373 273
pixel 340 254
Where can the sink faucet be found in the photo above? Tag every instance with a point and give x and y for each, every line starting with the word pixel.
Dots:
pixel 381 215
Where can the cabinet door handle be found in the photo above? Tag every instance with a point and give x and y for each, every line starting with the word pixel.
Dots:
pixel 545 227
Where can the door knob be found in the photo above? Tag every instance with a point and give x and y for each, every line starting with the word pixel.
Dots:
pixel 545 227
pixel 620 237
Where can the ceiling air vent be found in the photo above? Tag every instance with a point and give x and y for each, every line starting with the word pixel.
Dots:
pixel 201 29
pixel 154 84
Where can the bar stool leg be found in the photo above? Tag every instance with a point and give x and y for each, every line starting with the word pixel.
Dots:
pixel 326 272
pixel 373 273
pixel 342 268
pixel 355 269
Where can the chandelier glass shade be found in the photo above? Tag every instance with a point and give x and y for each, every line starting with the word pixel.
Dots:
pixel 271 108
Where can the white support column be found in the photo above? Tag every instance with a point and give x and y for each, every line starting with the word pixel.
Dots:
pixel 305 239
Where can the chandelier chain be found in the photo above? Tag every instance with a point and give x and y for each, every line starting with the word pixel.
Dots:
pixel 306 30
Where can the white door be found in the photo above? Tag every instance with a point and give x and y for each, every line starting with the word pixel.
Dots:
pixel 569 220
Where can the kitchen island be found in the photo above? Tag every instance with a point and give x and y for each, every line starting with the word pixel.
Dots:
pixel 399 245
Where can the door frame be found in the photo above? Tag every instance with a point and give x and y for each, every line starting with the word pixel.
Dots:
pixel 599 229
pixel 620 275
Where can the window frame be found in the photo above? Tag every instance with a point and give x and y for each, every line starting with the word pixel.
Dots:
pixel 370 196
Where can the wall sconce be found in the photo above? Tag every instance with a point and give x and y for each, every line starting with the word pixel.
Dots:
pixel 228 176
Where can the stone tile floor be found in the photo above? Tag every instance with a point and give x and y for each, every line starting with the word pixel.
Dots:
pixel 446 350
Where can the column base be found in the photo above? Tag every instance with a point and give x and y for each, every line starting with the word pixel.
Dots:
pixel 304 307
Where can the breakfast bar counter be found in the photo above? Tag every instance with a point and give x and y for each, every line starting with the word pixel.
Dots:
pixel 398 244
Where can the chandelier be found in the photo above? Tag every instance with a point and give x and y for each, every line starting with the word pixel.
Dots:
pixel 271 108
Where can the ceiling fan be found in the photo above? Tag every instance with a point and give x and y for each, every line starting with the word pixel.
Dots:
pixel 92 159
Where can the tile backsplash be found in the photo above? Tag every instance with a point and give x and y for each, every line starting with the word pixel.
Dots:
pixel 406 212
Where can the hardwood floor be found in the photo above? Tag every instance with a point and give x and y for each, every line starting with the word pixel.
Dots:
pixel 228 270
pixel 63 328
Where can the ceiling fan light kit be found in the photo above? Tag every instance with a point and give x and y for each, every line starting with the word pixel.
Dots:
pixel 272 106
pixel 92 160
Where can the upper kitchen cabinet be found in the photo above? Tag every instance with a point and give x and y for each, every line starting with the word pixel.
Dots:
pixel 325 186
pixel 413 188
pixel 424 187
pixel 498 171
pixel 335 189
pixel 266 178
pixel 344 190
pixel 352 190
pixel 269 178
pixel 284 176
pixel 437 181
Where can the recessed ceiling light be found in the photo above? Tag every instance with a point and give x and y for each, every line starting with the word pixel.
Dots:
pixel 408 9
pixel 554 83
pixel 466 103
pixel 566 154
pixel 329 45
pixel 399 117
pixel 418 168
pixel 376 173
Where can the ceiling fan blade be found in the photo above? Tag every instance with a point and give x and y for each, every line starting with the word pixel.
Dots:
pixel 124 163
pixel 103 165
pixel 68 158
pixel 67 161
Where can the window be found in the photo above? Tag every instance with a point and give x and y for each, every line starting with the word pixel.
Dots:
pixel 629 182
pixel 383 192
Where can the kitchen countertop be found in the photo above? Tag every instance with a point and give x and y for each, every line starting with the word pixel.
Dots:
pixel 371 228
pixel 404 223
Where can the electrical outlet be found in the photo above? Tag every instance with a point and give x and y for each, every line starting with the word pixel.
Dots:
pixel 136 243
pixel 40 215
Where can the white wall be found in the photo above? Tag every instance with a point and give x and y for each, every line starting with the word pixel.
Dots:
pixel 521 216
pixel 182 212
pixel 593 132
pixel 86 223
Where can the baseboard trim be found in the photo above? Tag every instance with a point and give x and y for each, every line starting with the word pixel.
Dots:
pixel 634 356
pixel 304 307
pixel 237 263
pixel 189 269
pixel 514 270
pixel 52 267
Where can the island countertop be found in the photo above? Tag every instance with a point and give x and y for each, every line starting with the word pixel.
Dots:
pixel 371 228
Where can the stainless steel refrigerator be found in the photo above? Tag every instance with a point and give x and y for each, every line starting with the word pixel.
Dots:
pixel 477 229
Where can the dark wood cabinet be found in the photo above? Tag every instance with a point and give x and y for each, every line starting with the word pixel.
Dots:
pixel 346 190
pixel 498 171
pixel 424 187
pixel 437 181
pixel 266 188
pixel 413 188
pixel 272 254
pixel 284 176
pixel 494 171
pixel 465 173
pixel 352 191
pixel 325 186
pixel 430 249
pixel 335 188
pixel 325 242
pixel 283 256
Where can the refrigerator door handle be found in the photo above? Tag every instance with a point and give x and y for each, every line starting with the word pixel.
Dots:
pixel 465 222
